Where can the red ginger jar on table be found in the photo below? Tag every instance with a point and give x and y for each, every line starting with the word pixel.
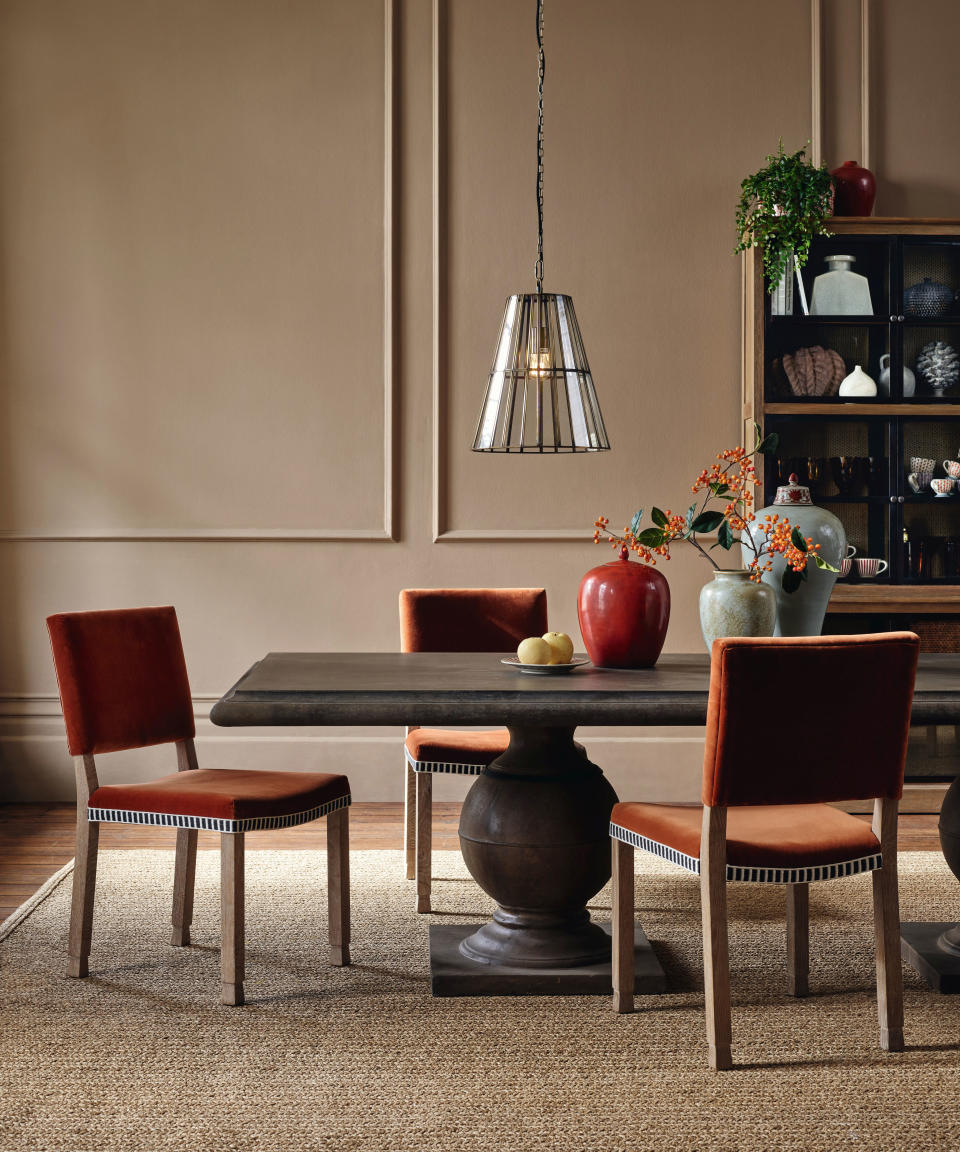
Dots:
pixel 624 609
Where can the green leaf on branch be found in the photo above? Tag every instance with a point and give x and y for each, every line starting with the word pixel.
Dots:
pixel 707 522
pixel 792 579
pixel 720 488
pixel 658 517
pixel 823 565
pixel 636 522
pixel 726 539
pixel 769 444
pixel 797 540
pixel 650 537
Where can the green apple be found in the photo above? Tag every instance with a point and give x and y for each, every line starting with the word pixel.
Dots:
pixel 534 650
pixel 561 647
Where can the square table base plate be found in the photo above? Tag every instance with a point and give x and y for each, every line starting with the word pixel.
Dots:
pixel 918 946
pixel 453 974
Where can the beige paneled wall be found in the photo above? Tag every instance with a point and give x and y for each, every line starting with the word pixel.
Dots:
pixel 192 300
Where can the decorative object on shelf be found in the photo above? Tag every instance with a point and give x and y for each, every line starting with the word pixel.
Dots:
pixel 858 383
pixel 929 299
pixel 938 366
pixel 922 464
pixel 801 595
pixel 840 291
pixel 780 210
pixel 854 189
pixel 730 480
pixel 624 610
pixel 813 371
pixel 781 296
pixel 920 481
pixel 845 565
pixel 942 485
pixel 952 468
pixel 540 395
pixel 734 604
pixel 868 567
pixel 883 382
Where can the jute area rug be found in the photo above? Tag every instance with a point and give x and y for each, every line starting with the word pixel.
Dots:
pixel 142 1056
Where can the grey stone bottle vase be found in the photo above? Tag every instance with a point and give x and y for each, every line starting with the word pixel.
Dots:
pixel 734 605
pixel 801 613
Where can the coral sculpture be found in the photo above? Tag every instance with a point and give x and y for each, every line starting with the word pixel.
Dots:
pixel 939 365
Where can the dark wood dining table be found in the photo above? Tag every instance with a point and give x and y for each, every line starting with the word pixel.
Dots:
pixel 534 826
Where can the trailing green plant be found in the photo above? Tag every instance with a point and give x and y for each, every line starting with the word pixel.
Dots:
pixel 781 209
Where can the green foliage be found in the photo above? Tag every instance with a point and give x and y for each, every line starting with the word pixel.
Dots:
pixel 725 537
pixel 658 517
pixel 769 444
pixel 636 522
pixel 792 579
pixel 707 521
pixel 650 537
pixel 781 209
pixel 797 540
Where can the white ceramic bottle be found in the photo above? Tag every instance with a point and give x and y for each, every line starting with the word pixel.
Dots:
pixel 858 383
pixel 841 292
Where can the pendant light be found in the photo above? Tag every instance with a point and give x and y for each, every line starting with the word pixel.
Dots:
pixel 540 395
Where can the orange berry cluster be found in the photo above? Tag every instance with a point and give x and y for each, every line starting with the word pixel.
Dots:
pixel 627 540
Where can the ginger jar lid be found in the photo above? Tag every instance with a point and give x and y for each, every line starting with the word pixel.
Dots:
pixel 793 493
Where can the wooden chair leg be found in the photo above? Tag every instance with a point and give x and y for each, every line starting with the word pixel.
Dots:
pixel 410 820
pixel 231 918
pixel 716 959
pixel 886 925
pixel 623 914
pixel 798 939
pixel 424 835
pixel 338 886
pixel 184 873
pixel 84 886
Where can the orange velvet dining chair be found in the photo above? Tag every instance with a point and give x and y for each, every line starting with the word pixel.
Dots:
pixel 123 685
pixel 793 726
pixel 455 620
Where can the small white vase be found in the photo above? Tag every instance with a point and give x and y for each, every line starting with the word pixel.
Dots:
pixel 734 605
pixel 883 383
pixel 858 383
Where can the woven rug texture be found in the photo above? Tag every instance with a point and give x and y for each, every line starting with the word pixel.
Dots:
pixel 142 1057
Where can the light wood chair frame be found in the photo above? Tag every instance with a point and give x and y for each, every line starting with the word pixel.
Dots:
pixel 418 829
pixel 716 961
pixel 232 946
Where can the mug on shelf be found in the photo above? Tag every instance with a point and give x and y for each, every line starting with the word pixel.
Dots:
pixel 845 564
pixel 919 481
pixel 942 485
pixel 952 468
pixel 922 464
pixel 850 553
pixel 868 567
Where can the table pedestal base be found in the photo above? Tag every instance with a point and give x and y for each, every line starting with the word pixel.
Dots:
pixel 921 948
pixel 453 974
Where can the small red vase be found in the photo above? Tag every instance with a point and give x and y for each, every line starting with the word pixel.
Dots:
pixel 624 609
pixel 854 190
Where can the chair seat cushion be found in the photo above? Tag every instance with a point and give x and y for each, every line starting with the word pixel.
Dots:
pixel 815 840
pixel 222 799
pixel 445 750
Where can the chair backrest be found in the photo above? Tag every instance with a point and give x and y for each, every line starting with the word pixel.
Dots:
pixel 808 719
pixel 470 619
pixel 123 679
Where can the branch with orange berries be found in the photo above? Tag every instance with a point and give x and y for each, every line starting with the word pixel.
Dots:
pixel 731 479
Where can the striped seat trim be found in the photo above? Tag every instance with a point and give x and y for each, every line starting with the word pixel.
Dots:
pixel 214 823
pixel 751 875
pixel 443 766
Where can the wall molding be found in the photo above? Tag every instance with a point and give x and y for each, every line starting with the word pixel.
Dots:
pixel 816 82
pixel 387 529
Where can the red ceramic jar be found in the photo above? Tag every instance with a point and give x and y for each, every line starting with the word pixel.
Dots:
pixel 854 190
pixel 624 609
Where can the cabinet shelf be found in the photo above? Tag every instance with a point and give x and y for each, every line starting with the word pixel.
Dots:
pixel 846 408
pixel 895 599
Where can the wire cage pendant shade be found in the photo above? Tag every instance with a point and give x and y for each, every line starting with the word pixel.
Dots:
pixel 540 395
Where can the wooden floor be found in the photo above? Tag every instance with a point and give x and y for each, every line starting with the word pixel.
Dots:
pixel 37 839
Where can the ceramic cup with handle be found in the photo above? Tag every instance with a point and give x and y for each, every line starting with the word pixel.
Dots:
pixel 952 468
pixel 922 464
pixel 868 567
pixel 845 565
pixel 919 481
pixel 850 553
pixel 942 485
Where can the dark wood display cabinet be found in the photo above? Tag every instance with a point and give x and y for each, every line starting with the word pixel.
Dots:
pixel 855 454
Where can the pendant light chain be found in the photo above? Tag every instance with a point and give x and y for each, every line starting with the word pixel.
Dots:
pixel 542 69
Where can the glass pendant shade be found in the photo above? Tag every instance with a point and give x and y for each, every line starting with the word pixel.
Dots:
pixel 540 395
